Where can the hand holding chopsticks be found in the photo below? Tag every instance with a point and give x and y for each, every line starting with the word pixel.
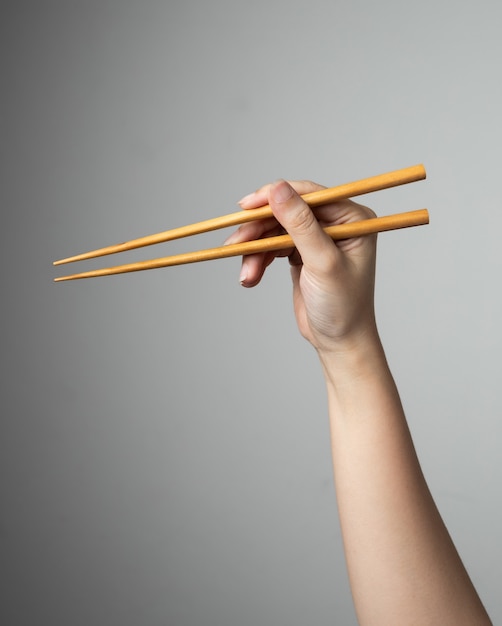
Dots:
pixel 315 199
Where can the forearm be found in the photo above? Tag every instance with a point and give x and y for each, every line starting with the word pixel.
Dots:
pixel 403 566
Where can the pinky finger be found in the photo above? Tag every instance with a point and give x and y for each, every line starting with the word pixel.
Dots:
pixel 254 265
pixel 253 268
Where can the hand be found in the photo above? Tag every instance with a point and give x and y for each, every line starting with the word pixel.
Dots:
pixel 333 283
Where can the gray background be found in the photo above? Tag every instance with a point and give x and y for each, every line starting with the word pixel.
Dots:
pixel 164 450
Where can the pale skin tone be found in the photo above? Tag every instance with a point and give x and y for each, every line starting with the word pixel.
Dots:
pixel 403 567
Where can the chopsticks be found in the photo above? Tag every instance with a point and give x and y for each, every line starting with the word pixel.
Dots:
pixel 315 199
pixel 281 242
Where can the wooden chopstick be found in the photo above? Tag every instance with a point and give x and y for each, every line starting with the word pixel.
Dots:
pixel 316 198
pixel 282 242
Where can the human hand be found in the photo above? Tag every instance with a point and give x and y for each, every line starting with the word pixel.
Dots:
pixel 333 282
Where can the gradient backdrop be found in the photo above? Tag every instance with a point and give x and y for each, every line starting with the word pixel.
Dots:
pixel 164 453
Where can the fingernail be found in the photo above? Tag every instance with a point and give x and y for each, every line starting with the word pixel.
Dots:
pixel 233 238
pixel 243 274
pixel 281 191
pixel 246 199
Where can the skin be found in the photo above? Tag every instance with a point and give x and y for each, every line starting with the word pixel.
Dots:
pixel 402 564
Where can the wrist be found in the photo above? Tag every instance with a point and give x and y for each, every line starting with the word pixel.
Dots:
pixel 353 359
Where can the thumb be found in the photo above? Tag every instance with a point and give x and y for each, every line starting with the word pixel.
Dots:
pixel 296 217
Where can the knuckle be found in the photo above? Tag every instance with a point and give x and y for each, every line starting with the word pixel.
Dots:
pixel 302 220
pixel 305 186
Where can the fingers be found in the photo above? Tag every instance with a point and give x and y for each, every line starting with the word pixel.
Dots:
pixel 250 231
pixel 291 214
pixel 316 249
pixel 254 265
pixel 260 197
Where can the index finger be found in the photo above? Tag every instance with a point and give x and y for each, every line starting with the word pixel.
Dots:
pixel 259 197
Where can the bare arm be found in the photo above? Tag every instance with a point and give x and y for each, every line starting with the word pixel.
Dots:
pixel 403 566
